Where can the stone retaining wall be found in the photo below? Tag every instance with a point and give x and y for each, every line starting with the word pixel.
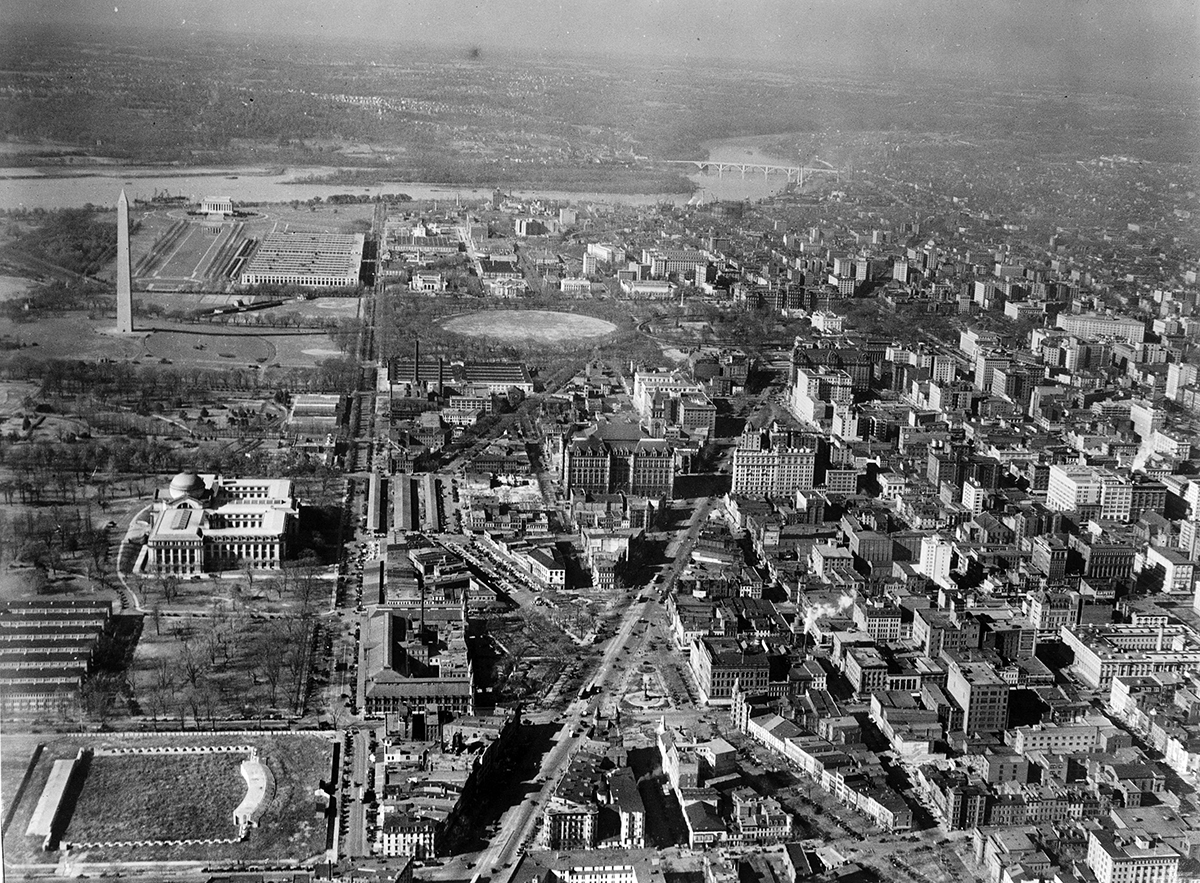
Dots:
pixel 177 749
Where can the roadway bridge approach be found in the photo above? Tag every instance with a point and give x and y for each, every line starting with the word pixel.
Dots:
pixel 793 173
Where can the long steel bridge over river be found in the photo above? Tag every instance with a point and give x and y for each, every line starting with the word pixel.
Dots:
pixel 793 173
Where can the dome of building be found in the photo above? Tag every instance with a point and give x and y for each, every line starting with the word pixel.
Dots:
pixel 187 484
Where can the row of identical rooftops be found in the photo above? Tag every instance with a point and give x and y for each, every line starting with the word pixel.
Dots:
pixel 47 649
pixel 306 258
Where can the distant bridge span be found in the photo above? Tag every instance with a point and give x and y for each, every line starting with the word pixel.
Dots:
pixel 793 173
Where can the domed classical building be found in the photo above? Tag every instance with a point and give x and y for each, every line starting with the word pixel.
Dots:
pixel 208 523
pixel 187 484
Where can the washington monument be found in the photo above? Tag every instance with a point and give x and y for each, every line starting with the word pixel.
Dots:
pixel 124 282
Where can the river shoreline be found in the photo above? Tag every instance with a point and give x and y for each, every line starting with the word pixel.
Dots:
pixel 75 186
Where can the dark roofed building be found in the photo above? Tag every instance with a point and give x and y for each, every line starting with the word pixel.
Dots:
pixel 48 648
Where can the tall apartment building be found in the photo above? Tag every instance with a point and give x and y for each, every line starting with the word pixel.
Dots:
pixel 973 341
pixel 1168 570
pixel 623 791
pixel 606 254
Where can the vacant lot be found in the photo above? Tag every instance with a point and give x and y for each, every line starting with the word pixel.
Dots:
pixel 529 326
pixel 158 797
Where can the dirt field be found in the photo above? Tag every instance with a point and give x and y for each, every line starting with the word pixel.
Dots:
pixel 529 326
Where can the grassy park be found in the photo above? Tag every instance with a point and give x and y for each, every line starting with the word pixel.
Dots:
pixel 142 797
pixel 529 326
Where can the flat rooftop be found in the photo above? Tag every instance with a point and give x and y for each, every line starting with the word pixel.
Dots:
pixel 315 254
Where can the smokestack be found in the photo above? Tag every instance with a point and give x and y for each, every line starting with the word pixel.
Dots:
pixel 416 362
pixel 441 375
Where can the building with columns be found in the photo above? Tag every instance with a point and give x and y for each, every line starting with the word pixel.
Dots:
pixel 209 523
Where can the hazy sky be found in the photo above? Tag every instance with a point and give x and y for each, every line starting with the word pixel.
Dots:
pixel 1074 42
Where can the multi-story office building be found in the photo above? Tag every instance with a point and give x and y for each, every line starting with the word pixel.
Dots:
pixel 411 662
pixel 982 695
pixel 1092 325
pixel 936 555
pixel 1181 375
pixel 986 365
pixel 817 387
pixel 1103 652
pixel 1146 418
pixel 1103 556
pixel 718 663
pixel 322 260
pixel 1050 611
pixel 865 669
pixel 1126 857
pixel 1079 739
pixel 761 467
pixel 664 262
pixel 1168 570
pixel 881 622
pixel 1050 557
pixel 1075 487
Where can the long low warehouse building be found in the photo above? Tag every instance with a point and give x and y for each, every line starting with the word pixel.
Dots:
pixel 47 649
